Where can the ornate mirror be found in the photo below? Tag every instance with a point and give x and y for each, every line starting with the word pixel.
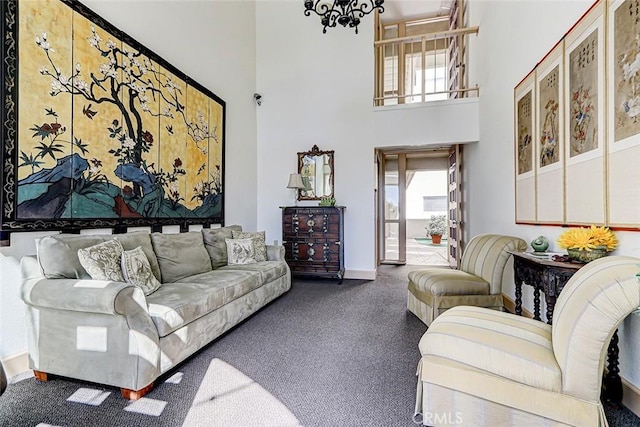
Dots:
pixel 316 169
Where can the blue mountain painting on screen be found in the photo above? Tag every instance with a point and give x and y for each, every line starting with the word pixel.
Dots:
pixel 81 185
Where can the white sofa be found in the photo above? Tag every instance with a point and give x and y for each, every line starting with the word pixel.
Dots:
pixel 111 333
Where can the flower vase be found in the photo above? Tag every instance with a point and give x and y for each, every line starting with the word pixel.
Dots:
pixel 586 255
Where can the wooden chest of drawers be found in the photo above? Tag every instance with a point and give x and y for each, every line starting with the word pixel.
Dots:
pixel 313 238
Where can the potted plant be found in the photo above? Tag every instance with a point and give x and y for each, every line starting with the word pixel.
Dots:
pixel 437 228
pixel 587 244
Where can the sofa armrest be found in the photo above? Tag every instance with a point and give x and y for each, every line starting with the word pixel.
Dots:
pixel 92 296
pixel 275 253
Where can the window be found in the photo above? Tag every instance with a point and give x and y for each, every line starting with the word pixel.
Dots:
pixel 435 76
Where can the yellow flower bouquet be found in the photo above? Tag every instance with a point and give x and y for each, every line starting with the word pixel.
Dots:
pixel 587 244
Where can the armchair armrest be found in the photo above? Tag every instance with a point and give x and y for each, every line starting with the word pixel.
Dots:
pixel 275 253
pixel 92 296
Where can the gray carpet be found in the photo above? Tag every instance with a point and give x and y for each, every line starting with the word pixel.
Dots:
pixel 321 355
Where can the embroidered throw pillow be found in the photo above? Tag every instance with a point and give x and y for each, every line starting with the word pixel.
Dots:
pixel 102 261
pixel 259 243
pixel 240 251
pixel 136 270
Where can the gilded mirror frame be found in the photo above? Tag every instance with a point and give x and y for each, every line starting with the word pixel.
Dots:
pixel 312 184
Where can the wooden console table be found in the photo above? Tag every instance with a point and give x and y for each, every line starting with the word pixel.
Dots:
pixel 550 277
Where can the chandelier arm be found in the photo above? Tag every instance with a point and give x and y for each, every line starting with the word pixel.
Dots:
pixel 318 8
pixel 344 12
pixel 364 8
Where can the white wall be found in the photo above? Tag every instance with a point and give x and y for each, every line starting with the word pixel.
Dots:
pixel 318 89
pixel 212 42
pixel 497 64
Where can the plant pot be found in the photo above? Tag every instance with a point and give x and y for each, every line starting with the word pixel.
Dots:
pixel 586 255
pixel 436 239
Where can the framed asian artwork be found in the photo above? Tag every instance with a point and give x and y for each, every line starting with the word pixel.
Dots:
pixel 584 125
pixel 623 148
pixel 524 152
pixel 98 131
pixel 549 138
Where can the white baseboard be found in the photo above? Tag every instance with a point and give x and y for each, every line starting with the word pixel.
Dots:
pixel 631 396
pixel 360 274
pixel 16 364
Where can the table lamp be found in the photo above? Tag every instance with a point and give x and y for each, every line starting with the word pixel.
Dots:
pixel 295 183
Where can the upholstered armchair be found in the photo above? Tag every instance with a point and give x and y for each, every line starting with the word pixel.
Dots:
pixel 485 367
pixel 478 282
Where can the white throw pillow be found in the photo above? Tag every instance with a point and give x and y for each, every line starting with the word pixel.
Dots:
pixel 240 251
pixel 102 261
pixel 136 270
pixel 259 243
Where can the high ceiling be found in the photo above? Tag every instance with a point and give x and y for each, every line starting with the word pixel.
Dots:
pixel 396 10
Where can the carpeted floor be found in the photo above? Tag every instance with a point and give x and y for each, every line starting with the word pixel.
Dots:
pixel 321 355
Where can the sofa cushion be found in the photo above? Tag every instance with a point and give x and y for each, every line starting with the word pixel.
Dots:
pixel 269 270
pixel 235 283
pixel 240 251
pixel 175 305
pixel 102 261
pixel 259 243
pixel 131 241
pixel 137 271
pixel 180 255
pixel 58 255
pixel 215 244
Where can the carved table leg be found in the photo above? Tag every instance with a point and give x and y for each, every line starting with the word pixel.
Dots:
pixel 536 303
pixel 612 383
pixel 518 308
pixel 551 303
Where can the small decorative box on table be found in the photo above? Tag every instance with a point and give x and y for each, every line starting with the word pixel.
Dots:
pixel 313 239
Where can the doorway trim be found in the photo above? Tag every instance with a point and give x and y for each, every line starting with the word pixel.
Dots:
pixel 380 156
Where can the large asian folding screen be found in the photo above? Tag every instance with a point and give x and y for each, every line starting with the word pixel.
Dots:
pixel 577 125
pixel 98 131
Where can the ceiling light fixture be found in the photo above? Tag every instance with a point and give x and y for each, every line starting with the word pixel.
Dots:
pixel 343 12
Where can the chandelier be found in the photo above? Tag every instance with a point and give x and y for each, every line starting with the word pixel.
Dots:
pixel 343 12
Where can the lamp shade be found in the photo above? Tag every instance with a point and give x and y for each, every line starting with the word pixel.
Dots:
pixel 295 181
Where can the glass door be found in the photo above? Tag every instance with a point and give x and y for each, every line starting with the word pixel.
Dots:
pixel 413 207
pixel 391 209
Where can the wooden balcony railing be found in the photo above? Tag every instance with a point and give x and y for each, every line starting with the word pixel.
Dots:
pixel 424 67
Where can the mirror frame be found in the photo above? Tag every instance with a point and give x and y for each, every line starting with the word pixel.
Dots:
pixel 315 151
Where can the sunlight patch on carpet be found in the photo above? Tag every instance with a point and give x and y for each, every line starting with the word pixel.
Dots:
pixel 89 396
pixel 146 406
pixel 175 378
pixel 229 398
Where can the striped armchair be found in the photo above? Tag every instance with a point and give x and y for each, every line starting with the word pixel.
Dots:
pixel 484 367
pixel 432 291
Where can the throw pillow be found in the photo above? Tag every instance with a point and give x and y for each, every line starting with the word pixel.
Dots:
pixel 215 244
pixel 102 261
pixel 136 270
pixel 240 251
pixel 259 243
pixel 180 255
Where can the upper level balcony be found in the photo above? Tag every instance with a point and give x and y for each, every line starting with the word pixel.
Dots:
pixel 423 60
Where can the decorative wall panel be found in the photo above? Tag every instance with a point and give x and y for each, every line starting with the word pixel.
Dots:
pixel 550 138
pixel 584 104
pixel 624 109
pixel 99 131
pixel 525 156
